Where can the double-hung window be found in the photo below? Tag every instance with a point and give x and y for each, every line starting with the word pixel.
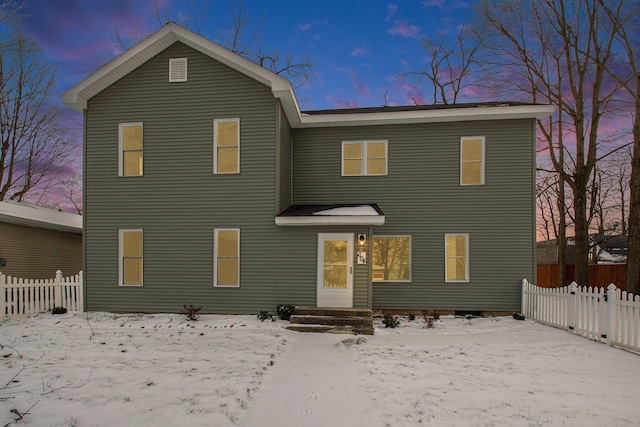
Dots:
pixel 130 140
pixel 226 257
pixel 391 258
pixel 130 258
pixel 456 257
pixel 472 160
pixel 226 146
pixel 364 158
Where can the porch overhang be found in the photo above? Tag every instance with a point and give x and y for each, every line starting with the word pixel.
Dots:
pixel 339 214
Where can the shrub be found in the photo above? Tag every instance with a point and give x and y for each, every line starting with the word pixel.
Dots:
pixel 264 315
pixel 58 310
pixel 391 321
pixel 285 311
pixel 191 312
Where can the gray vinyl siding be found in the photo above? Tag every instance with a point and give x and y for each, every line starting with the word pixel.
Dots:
pixel 179 201
pixel 37 253
pixel 421 196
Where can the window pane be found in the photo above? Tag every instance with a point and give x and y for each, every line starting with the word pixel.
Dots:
pixel 472 173
pixel 132 137
pixel 353 167
pixel 228 271
pixel 227 134
pixel 227 243
pixel 391 258
pixel 472 149
pixel 352 151
pixel 335 276
pixel 376 167
pixel 376 149
pixel 228 160
pixel 456 246
pixel 132 274
pixel 132 163
pixel 132 244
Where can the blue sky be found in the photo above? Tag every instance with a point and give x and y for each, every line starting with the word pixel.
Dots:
pixel 358 48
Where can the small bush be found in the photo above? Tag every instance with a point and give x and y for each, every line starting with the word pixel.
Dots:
pixel 191 312
pixel 264 315
pixel 285 311
pixel 58 310
pixel 390 321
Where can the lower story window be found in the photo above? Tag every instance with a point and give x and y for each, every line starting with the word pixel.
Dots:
pixel 130 258
pixel 391 258
pixel 456 257
pixel 226 257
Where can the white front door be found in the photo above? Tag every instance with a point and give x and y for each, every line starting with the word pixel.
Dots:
pixel 335 270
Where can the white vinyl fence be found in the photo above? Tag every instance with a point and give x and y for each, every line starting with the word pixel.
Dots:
pixel 24 297
pixel 611 316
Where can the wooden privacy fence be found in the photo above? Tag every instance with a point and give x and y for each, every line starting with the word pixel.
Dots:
pixel 611 316
pixel 24 297
pixel 599 275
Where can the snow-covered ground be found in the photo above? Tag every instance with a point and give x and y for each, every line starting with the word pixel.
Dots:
pixel 101 369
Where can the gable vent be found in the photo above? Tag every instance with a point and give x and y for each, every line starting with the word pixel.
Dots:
pixel 178 70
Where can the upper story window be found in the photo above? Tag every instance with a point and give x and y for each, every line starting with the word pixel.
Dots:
pixel 456 257
pixel 178 70
pixel 364 158
pixel 226 146
pixel 131 143
pixel 472 160
pixel 130 259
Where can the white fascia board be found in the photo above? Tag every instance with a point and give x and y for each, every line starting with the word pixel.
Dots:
pixel 428 116
pixel 41 217
pixel 330 220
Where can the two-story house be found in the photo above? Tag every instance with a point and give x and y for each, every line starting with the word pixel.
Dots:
pixel 206 184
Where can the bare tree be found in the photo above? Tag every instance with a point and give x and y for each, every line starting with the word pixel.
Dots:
pixel 554 51
pixel 34 148
pixel 623 18
pixel 451 64
pixel 241 36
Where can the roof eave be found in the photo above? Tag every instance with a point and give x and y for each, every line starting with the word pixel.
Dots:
pixel 428 116
pixel 330 220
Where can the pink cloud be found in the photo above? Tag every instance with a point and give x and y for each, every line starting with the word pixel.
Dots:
pixel 391 11
pixel 342 103
pixel 304 27
pixel 402 28
pixel 358 51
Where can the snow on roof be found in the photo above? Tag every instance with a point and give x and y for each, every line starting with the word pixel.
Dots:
pixel 20 213
pixel 362 210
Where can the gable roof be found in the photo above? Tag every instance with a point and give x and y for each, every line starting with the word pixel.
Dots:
pixel 26 214
pixel 119 67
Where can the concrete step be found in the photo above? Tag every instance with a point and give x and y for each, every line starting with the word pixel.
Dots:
pixel 358 330
pixel 331 320
pixel 332 311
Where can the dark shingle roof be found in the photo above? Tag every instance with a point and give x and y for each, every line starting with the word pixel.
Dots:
pixel 391 109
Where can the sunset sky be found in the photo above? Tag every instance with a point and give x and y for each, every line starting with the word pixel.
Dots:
pixel 357 48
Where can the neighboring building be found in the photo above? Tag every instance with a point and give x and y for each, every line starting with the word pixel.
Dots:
pixel 204 183
pixel 548 252
pixel 610 249
pixel 36 241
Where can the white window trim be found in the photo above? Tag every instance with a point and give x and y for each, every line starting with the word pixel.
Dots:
pixel 363 144
pixel 410 258
pixel 121 257
pixel 121 150
pixel 172 62
pixel 466 235
pixel 464 138
pixel 215 257
pixel 215 145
